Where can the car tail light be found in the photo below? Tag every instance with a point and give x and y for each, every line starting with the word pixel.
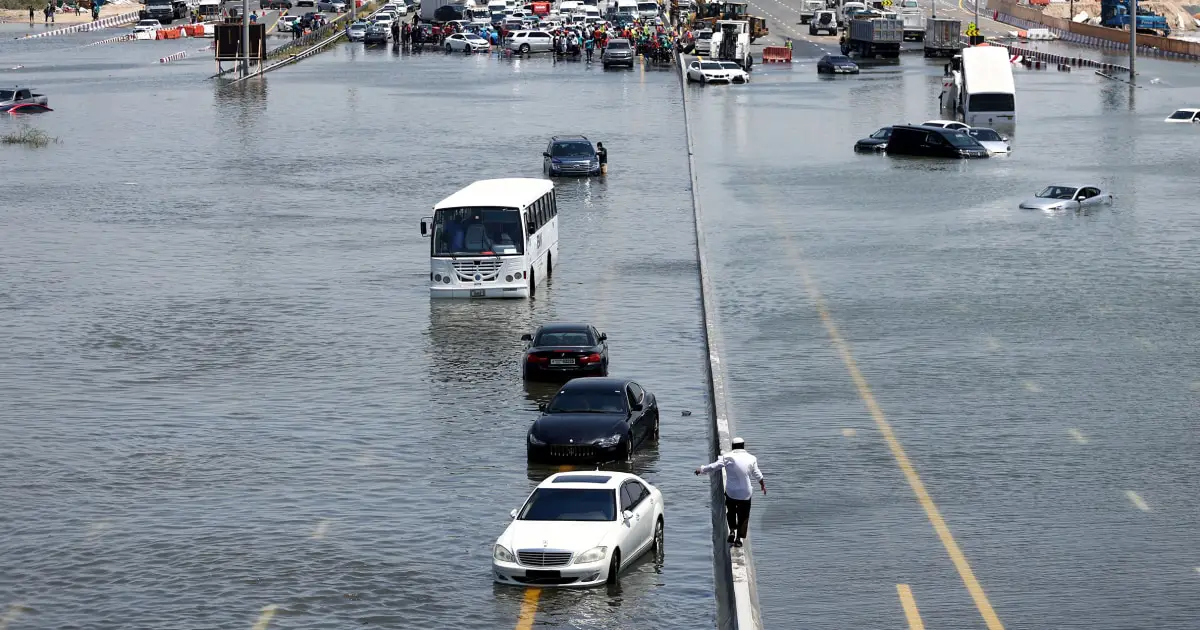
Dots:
pixel 591 358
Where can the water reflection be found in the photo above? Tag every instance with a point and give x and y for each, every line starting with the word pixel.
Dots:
pixel 477 341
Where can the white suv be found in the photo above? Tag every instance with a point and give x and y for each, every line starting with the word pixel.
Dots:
pixel 529 41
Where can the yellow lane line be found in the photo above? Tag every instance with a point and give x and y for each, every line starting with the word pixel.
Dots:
pixel 528 609
pixel 1137 501
pixel 910 473
pixel 910 607
pixel 14 610
pixel 264 619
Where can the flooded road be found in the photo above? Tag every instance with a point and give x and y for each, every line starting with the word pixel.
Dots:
pixel 226 388
pixel 908 348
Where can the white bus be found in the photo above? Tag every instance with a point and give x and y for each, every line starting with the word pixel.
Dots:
pixel 987 96
pixel 497 238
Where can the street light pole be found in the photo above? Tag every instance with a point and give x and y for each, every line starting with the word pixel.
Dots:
pixel 246 37
pixel 977 19
pixel 1132 38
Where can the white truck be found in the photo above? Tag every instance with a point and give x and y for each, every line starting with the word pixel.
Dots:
pixel 731 42
pixel 809 8
pixel 913 18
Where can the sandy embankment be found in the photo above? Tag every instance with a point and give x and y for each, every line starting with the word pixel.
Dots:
pixel 1177 16
pixel 66 17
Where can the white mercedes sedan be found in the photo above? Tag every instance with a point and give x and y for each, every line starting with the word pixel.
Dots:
pixel 716 72
pixel 579 529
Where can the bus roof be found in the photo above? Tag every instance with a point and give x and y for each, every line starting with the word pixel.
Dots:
pixel 987 70
pixel 512 192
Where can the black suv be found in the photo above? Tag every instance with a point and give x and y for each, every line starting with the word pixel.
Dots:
pixel 923 141
pixel 570 155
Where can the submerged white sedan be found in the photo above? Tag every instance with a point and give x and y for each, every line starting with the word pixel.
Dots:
pixel 1068 198
pixel 716 72
pixel 579 529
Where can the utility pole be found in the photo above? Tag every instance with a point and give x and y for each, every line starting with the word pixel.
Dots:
pixel 1132 38
pixel 246 38
pixel 354 11
pixel 976 18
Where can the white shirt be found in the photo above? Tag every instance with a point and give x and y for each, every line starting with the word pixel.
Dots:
pixel 740 467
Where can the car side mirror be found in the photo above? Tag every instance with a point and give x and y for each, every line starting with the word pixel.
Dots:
pixel 545 154
pixel 636 407
pixel 513 514
pixel 627 515
pixel 527 337
pixel 426 225
pixel 530 228
pixel 541 406
pixel 603 336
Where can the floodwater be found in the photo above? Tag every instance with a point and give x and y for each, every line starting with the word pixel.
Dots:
pixel 225 387
pixel 1038 370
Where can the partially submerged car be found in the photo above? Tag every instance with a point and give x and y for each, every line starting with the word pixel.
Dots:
pixel 836 64
pixel 991 140
pixel 1069 197
pixel 1185 115
pixel 875 142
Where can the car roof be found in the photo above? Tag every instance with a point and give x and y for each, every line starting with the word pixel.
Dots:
pixel 569 139
pixel 612 480
pixel 940 122
pixel 1187 109
pixel 563 327
pixel 594 383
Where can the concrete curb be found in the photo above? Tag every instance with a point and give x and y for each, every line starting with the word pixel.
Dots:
pixel 737 586
pixel 112 20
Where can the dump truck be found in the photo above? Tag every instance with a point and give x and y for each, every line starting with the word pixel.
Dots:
pixel 870 35
pixel 1115 14
pixel 731 42
pixel 943 37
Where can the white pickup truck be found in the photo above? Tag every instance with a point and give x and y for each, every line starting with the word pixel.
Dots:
pixel 14 96
pixel 913 18
pixel 808 8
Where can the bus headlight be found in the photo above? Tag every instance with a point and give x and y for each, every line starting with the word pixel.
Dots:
pixel 437 277
pixel 508 278
pixel 445 279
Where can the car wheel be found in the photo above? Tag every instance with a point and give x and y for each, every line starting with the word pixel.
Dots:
pixel 614 567
pixel 449 48
pixel 627 450
pixel 524 49
pixel 659 539
pixel 549 266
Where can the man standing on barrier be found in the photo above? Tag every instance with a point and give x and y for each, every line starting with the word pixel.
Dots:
pixel 740 467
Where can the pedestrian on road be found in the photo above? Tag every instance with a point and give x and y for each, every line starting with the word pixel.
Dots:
pixel 602 156
pixel 740 467
pixel 31 15
pixel 254 17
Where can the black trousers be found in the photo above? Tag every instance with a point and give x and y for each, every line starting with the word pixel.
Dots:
pixel 737 514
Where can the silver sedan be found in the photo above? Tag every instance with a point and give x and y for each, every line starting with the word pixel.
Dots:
pixel 1068 198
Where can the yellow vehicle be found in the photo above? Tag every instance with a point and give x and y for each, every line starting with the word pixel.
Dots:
pixel 709 13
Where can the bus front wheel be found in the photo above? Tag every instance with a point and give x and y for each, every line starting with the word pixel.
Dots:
pixel 549 265
pixel 532 283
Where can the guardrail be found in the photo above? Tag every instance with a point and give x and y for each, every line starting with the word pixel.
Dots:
pixel 1064 60
pixel 112 20
pixel 337 24
pixel 737 585
pixel 332 32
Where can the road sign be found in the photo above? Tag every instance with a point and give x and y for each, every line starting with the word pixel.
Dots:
pixel 972 30
pixel 887 3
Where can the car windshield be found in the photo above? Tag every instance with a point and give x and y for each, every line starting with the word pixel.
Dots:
pixel 962 140
pixel 570 504
pixel 7 95
pixel 572 149
pixel 477 232
pixel 148 23
pixel 839 59
pixel 1058 192
pixel 710 65
pixel 595 401
pixel 578 338
pixel 618 45
pixel 357 27
pixel 986 135
pixel 729 65
pixel 472 36
pixel 1182 114
pixel 882 134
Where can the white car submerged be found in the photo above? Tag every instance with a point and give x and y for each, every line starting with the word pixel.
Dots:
pixel 459 42
pixel 1069 197
pixel 991 140
pixel 947 124
pixel 716 72
pixel 579 529
pixel 146 29
pixel 1185 115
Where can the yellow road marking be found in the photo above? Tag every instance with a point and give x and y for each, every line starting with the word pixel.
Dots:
pixel 1078 436
pixel 1137 501
pixel 910 473
pixel 264 619
pixel 910 607
pixel 14 610
pixel 849 432
pixel 281 14
pixel 528 608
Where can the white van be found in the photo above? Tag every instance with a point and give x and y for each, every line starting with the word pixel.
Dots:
pixel 627 9
pixel 648 9
pixel 567 7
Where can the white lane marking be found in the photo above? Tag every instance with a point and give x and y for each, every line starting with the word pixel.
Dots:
pixel 322 529
pixel 97 529
pixel 1197 569
pixel 1078 436
pixel 1196 386
pixel 264 618
pixel 849 432
pixel 991 342
pixel 1137 501
pixel 1031 386
pixel 14 610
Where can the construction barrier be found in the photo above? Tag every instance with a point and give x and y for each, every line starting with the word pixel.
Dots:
pixel 194 30
pixel 168 33
pixel 173 57
pixel 1036 59
pixel 111 40
pixel 777 54
pixel 112 20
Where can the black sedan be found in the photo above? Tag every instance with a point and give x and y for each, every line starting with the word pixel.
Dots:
pixel 563 351
pixel 836 64
pixel 596 419
pixel 376 35
pixel 875 142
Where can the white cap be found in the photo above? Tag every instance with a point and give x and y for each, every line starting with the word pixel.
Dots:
pixel 739 442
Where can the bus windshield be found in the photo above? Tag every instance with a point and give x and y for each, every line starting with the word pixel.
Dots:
pixel 477 232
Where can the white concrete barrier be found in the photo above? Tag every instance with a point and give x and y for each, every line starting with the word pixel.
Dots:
pixel 112 20
pixel 173 57
pixel 111 40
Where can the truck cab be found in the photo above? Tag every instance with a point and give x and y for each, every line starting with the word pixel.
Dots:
pixel 731 42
